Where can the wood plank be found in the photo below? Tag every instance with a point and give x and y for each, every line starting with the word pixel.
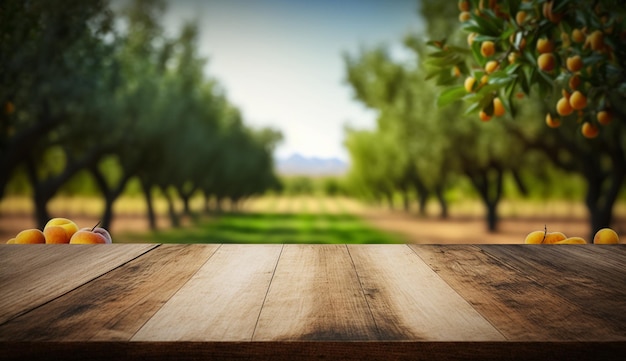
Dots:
pixel 32 275
pixel 113 306
pixel 315 295
pixel 314 350
pixel 584 275
pixel 519 306
pixel 221 302
pixel 409 301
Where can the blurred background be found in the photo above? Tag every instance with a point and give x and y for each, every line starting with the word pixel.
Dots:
pixel 273 121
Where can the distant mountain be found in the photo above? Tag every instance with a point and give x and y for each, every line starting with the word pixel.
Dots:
pixel 297 164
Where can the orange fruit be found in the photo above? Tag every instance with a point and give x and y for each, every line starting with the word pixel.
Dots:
pixel 604 117
pixel 498 107
pixel 546 61
pixel 491 66
pixel 578 36
pixel 552 122
pixel 563 107
pixel 464 5
pixel 469 83
pixel 487 48
pixel 484 116
pixel 590 130
pixel 574 63
pixel 544 45
pixel 464 16
pixel 577 100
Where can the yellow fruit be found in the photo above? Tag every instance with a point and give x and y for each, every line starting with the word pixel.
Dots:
pixel 574 63
pixel 577 100
pixel 534 237
pixel 11 241
pixel 487 48
pixel 552 122
pixel 604 117
pixel 606 236
pixel 59 230
pixel 464 16
pixel 578 36
pixel 563 107
pixel 484 116
pixel 469 83
pixel 546 61
pixel 512 57
pixel 491 66
pixel 30 236
pixel 544 46
pixel 596 40
pixel 498 107
pixel 484 79
pixel 573 240
pixel 554 237
pixel 590 130
pixel 520 17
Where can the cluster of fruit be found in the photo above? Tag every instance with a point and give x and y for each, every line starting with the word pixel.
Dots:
pixel 603 236
pixel 573 47
pixel 62 230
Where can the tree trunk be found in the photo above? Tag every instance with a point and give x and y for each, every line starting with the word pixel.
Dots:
pixel 490 189
pixel 492 216
pixel 601 195
pixel 147 192
pixel 171 210
pixel 443 203
pixel 110 194
pixel 406 202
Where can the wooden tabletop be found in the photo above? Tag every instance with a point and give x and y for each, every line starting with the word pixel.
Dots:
pixel 313 301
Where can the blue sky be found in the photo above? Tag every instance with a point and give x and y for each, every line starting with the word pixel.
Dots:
pixel 280 61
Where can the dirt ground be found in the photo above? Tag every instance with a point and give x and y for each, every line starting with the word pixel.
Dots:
pixel 457 229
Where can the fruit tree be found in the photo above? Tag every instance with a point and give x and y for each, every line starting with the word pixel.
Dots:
pixel 572 50
pixel 571 54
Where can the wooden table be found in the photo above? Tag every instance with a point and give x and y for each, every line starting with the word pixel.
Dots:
pixel 417 302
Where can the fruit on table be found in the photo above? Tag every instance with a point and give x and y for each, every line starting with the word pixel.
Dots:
pixel 62 231
pixel 95 235
pixel 603 236
pixel 535 237
pixel 543 237
pixel 554 237
pixel 59 230
pixel 606 236
pixel 572 240
pixel 30 236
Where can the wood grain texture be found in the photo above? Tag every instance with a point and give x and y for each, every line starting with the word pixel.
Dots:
pixel 315 295
pixel 518 305
pixel 221 302
pixel 589 280
pixel 115 305
pixel 315 350
pixel 409 301
pixel 31 275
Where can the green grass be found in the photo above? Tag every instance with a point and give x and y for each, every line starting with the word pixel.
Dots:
pixel 270 228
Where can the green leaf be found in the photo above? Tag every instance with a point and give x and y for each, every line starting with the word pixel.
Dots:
pixel 451 95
